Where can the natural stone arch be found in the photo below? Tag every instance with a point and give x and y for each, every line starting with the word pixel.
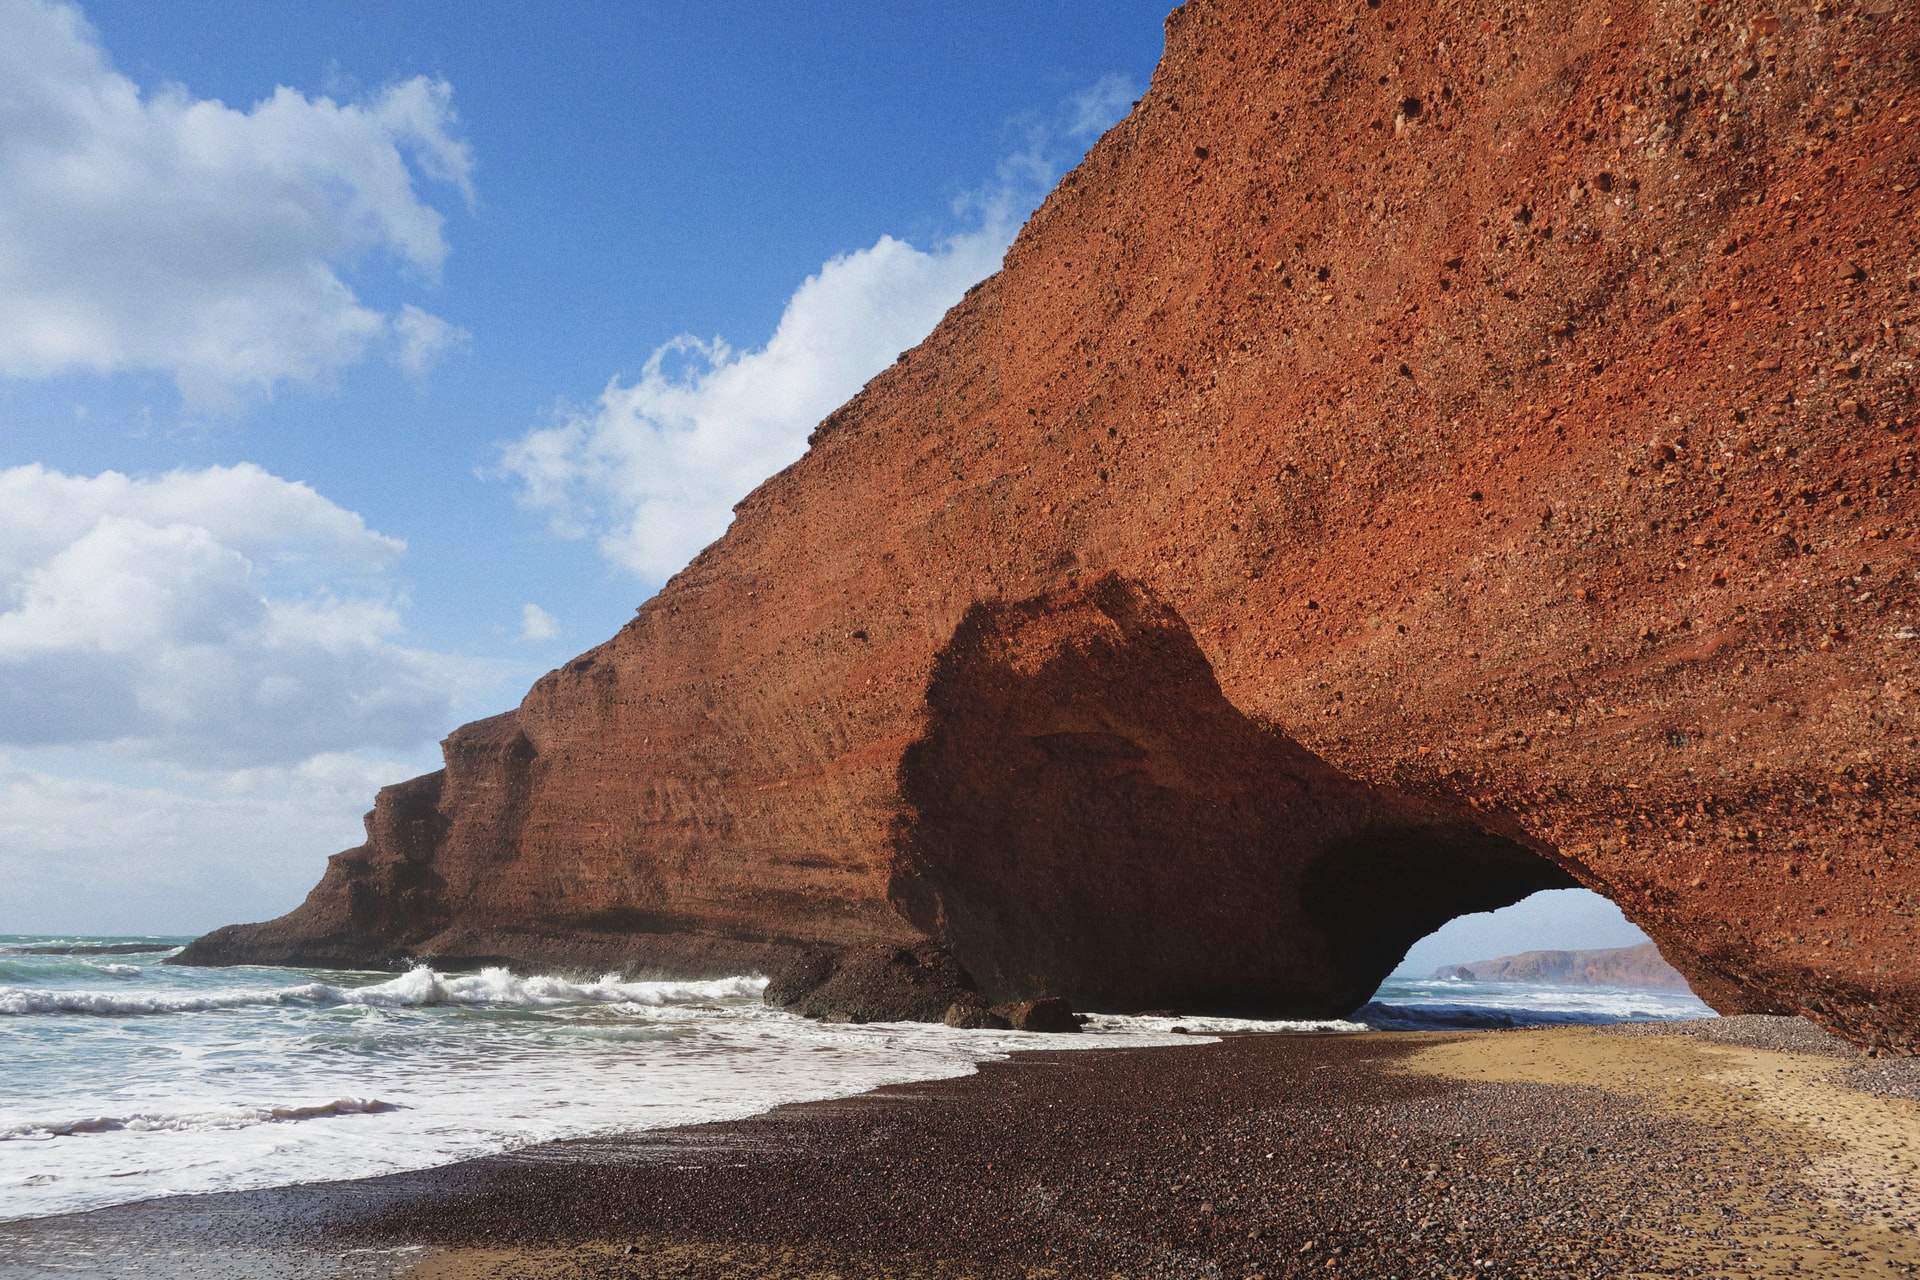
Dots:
pixel 1471 499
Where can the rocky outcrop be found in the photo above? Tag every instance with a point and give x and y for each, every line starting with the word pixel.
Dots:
pixel 879 984
pixel 1637 968
pixel 1425 453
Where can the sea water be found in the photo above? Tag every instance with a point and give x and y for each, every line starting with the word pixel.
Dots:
pixel 124 1078
pixel 1438 1004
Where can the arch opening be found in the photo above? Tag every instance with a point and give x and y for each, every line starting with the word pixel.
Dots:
pixel 1556 956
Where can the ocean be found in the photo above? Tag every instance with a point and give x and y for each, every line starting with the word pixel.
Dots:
pixel 123 1078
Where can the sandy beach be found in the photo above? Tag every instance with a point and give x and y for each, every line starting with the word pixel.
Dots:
pixel 1742 1147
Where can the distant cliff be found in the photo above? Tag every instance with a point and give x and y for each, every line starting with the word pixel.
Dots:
pixel 1640 968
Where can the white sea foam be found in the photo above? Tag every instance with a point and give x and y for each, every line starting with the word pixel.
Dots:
pixel 177 1122
pixel 418 987
pixel 25 1000
pixel 1201 1026
pixel 1416 1003
pixel 118 970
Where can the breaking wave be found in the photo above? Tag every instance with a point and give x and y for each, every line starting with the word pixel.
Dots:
pixel 88 948
pixel 1470 1017
pixel 22 970
pixel 161 1121
pixel 417 988
pixel 1205 1025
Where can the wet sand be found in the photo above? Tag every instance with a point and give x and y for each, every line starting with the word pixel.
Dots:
pixel 1564 1152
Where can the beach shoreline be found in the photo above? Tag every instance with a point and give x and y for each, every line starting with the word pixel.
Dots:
pixel 1577 1152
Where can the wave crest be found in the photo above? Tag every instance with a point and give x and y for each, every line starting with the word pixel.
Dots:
pixel 162 1121
pixel 419 987
pixel 1472 1017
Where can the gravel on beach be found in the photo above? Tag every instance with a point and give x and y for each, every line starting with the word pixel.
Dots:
pixel 1885 1077
pixel 1255 1157
pixel 1747 1031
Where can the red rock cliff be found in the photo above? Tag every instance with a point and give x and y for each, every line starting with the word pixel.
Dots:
pixel 1423 454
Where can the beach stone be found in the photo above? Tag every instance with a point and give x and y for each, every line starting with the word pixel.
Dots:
pixel 974 1015
pixel 1051 1014
pixel 874 984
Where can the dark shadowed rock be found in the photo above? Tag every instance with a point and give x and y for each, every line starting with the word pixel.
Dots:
pixel 974 1015
pixel 1051 1014
pixel 874 984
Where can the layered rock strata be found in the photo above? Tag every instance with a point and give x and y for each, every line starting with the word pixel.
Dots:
pixel 1424 453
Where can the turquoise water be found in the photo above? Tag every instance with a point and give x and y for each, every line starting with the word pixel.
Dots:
pixel 124 1078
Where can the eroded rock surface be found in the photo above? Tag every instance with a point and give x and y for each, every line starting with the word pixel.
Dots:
pixel 1424 449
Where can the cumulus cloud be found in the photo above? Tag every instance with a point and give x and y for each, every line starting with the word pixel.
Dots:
pixel 653 467
pixel 658 463
pixel 243 507
pixel 1093 109
pixel 205 848
pixel 425 340
pixel 536 624
pixel 220 616
pixel 162 232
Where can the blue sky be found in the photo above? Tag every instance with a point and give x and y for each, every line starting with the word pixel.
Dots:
pixel 639 172
pixel 360 362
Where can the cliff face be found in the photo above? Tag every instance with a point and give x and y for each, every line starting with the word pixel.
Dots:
pixel 1424 454
pixel 1639 968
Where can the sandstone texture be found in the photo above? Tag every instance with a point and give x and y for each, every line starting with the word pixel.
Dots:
pixel 1640 968
pixel 1424 454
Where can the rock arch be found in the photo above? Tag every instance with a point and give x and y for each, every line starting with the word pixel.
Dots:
pixel 1546 463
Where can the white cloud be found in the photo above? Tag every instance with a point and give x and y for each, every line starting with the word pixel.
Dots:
pixel 536 624
pixel 204 848
pixel 158 231
pixel 1090 111
pixel 161 616
pixel 653 468
pixel 426 340
pixel 658 464
pixel 257 514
